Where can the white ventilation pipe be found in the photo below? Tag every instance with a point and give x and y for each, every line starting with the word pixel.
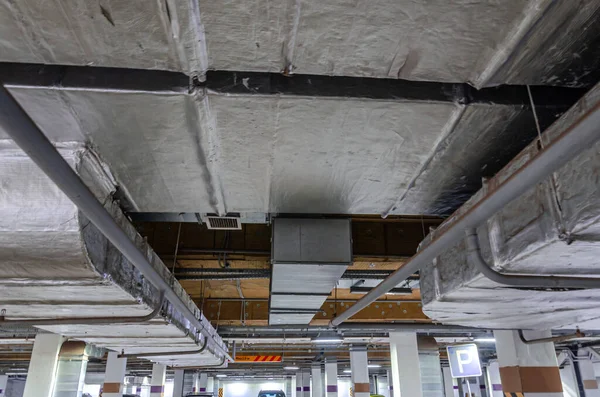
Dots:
pixel 581 135
pixel 26 134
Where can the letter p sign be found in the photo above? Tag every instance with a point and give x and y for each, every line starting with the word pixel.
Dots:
pixel 464 361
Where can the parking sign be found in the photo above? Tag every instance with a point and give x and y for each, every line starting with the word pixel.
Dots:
pixel 464 360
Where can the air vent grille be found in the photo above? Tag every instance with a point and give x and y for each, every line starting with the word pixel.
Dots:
pixel 223 223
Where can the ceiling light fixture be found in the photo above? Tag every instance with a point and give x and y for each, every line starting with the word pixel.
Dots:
pixel 485 340
pixel 221 376
pixel 347 371
pixel 393 291
pixel 291 368
pixel 374 366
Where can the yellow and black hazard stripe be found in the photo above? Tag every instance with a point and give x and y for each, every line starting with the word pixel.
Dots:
pixel 220 392
pixel 507 394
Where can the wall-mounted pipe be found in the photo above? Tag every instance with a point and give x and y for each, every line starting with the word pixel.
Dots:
pixel 553 339
pixel 85 320
pixel 176 353
pixel 26 134
pixel 523 280
pixel 581 135
pixel 204 366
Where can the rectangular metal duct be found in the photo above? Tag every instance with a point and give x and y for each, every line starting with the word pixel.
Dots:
pixel 308 257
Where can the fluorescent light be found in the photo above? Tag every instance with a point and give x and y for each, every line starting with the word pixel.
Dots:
pixel 221 376
pixel 485 340
pixel 374 366
pixel 328 340
pixel 291 368
pixel 347 371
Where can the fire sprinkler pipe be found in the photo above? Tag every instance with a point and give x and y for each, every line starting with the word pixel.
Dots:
pixel 26 134
pixel 523 280
pixel 581 135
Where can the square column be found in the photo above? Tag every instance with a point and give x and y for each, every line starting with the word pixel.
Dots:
pixel 70 371
pixel 210 384
pixel 288 386
pixel 317 380
pixel 114 375
pixel 202 382
pixel 306 384
pixel 299 392
pixel 157 383
pixel 359 365
pixel 178 383
pixel 3 383
pixel 493 374
pixel 391 383
pixel 406 372
pixel 588 377
pixel 331 378
pixel 450 386
pixel 42 367
pixel 530 369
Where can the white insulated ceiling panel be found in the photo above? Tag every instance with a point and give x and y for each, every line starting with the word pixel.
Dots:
pixel 433 40
pixel 163 35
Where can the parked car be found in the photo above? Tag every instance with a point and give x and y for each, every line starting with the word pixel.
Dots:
pixel 271 393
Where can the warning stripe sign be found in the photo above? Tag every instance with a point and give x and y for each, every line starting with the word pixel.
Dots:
pixel 258 359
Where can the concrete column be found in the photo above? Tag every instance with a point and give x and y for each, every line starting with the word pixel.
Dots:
pixel 390 383
pixel 493 374
pixel 178 383
pixel 406 372
pixel 450 386
pixel 202 382
pixel 210 384
pixel 331 378
pixel 588 377
pixel 196 382
pixel 530 369
pixel 306 384
pixel 70 372
pixel 157 382
pixel 299 392
pixel 359 364
pixel 288 386
pixel 3 383
pixel 317 380
pixel 42 367
pixel 114 375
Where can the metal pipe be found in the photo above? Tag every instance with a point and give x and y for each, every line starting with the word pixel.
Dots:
pixel 523 280
pixel 85 320
pixel 177 353
pixel 560 338
pixel 26 134
pixel 414 327
pixel 581 135
pixel 205 366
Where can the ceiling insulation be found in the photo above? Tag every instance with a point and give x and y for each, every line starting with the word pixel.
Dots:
pixel 82 274
pixel 553 229
pixel 215 153
pixel 477 41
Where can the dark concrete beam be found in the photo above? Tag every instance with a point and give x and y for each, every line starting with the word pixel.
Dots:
pixel 259 83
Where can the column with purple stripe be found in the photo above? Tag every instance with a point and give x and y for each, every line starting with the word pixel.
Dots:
pixel 157 383
pixel 299 392
pixel 331 378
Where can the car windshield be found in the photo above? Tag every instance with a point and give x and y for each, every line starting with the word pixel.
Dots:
pixel 271 393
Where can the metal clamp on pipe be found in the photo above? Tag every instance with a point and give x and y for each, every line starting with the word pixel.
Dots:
pixel 523 280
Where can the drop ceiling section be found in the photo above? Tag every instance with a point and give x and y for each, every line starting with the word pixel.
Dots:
pixel 309 256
